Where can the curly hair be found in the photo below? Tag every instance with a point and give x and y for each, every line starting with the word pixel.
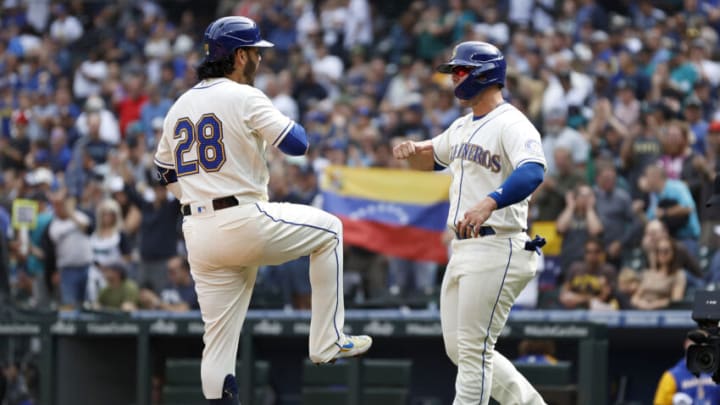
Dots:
pixel 218 68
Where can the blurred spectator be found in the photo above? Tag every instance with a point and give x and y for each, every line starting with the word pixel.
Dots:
pixel 158 230
pixel 401 85
pixel 179 295
pixel 698 127
pixel 710 216
pixel 35 262
pixel 358 25
pixel 645 15
pixel 16 391
pixel 655 231
pixel 326 67
pixel 292 279
pixel 663 282
pixel 536 351
pixel 677 157
pixel 89 76
pixel 678 385
pixel 492 29
pixel 558 134
pixel 627 285
pixel 333 15
pixel 672 203
pixel 400 40
pixel 156 106
pixel 550 197
pixel 279 92
pixel 430 33
pixel 617 220
pixel 307 91
pixel 411 123
pixel 590 283
pixel 89 154
pixel 577 223
pixel 14 150
pixel 640 149
pixel 129 105
pixel 109 128
pixel 120 292
pixel 410 278
pixel 66 28
pixel 131 214
pixel 60 152
pixel 109 244
pixel 458 18
pixel 71 253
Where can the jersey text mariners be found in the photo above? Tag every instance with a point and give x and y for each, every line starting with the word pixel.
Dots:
pixel 482 152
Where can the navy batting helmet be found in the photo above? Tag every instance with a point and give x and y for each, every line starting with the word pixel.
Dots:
pixel 223 36
pixel 486 61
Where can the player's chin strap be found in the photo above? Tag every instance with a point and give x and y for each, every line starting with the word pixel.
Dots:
pixel 230 393
pixel 535 244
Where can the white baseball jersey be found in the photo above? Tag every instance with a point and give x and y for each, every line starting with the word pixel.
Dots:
pixel 215 136
pixel 482 152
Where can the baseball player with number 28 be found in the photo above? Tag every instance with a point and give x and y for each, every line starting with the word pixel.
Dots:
pixel 212 157
pixel 497 161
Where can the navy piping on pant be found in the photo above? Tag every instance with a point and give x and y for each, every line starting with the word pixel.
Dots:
pixel 492 314
pixel 337 261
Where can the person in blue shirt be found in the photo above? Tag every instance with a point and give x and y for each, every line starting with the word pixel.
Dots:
pixel 679 384
pixel 672 203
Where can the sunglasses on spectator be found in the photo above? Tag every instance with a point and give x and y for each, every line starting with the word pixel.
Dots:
pixel 664 250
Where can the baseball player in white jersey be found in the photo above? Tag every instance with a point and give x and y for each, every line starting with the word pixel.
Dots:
pixel 212 157
pixel 497 161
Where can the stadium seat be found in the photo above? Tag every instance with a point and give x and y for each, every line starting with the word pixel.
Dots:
pixel 554 382
pixel 385 381
pixel 329 384
pixel 182 381
pixel 353 381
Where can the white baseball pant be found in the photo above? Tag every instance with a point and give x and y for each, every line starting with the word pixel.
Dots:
pixel 225 248
pixel 482 280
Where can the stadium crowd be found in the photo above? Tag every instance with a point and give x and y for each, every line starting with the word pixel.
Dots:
pixel 625 95
pixel 625 98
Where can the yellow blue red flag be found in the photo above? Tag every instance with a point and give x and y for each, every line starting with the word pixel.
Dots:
pixel 401 213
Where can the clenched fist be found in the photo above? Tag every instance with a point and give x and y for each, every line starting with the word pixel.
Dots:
pixel 405 149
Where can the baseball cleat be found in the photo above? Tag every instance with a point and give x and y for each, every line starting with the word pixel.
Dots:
pixel 355 345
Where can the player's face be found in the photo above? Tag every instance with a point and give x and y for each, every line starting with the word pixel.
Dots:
pixel 251 66
pixel 460 73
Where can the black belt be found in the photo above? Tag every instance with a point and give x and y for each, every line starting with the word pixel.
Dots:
pixel 484 231
pixel 218 204
pixel 531 245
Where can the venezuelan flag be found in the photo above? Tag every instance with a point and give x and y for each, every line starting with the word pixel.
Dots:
pixel 395 212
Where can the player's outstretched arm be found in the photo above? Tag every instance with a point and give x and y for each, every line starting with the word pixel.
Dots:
pixel 418 154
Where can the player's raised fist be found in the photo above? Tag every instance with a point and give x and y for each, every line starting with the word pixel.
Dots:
pixel 404 150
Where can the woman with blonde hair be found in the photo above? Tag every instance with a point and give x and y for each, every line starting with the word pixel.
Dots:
pixel 109 244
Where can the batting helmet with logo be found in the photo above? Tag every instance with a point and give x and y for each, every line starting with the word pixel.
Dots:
pixel 487 63
pixel 223 36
